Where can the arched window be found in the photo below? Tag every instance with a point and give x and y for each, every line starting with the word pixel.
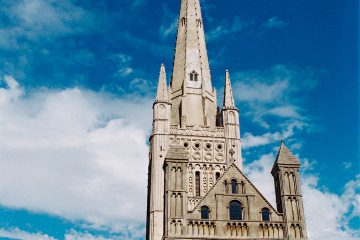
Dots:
pixel 235 210
pixel 197 184
pixel 205 212
pixel 217 176
pixel 194 76
pixel 234 186
pixel 265 214
pixel 183 21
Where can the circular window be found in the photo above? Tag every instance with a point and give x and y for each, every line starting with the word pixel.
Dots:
pixel 197 145
pixel 186 144
pixel 219 146
pixel 208 145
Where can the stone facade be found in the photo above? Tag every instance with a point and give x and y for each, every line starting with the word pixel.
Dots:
pixel 196 186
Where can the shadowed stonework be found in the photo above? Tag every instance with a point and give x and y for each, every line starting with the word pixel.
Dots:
pixel 196 186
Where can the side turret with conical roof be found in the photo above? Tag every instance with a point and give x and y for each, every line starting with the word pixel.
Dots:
pixel 288 193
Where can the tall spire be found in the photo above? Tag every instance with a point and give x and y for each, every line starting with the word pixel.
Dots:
pixel 190 53
pixel 162 91
pixel 191 80
pixel 228 95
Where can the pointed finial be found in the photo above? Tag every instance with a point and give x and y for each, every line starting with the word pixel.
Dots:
pixel 162 91
pixel 228 95
pixel 285 156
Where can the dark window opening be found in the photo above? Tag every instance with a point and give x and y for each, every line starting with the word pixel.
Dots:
pixel 197 184
pixel 217 176
pixel 205 212
pixel 183 21
pixel 234 187
pixel 198 22
pixel 194 76
pixel 235 210
pixel 265 214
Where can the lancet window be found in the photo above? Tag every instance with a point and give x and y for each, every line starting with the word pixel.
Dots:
pixel 197 184
pixel 194 76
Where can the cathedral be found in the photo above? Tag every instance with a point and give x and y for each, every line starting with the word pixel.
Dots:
pixel 196 187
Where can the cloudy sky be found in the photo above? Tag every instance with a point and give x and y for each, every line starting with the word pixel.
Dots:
pixel 77 81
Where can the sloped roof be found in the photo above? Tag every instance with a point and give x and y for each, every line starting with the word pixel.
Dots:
pixel 225 175
pixel 285 156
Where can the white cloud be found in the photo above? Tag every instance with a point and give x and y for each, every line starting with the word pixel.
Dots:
pixel 275 22
pixel 73 235
pixel 259 173
pixel 288 130
pixel 126 71
pixel 327 214
pixel 226 28
pixel 16 233
pixel 259 91
pixel 38 19
pixel 274 92
pixel 74 153
pixel 249 140
pixel 286 111
pixel 124 64
pixel 168 29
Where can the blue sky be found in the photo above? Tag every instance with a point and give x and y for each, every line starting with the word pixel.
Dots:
pixel 77 81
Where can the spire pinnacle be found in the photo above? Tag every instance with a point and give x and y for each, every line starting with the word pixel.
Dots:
pixel 192 97
pixel 191 59
pixel 285 156
pixel 162 91
pixel 228 95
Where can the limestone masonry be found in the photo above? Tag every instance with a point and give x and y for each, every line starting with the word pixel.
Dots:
pixel 196 188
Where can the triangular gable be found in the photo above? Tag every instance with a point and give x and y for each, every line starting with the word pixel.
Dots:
pixel 233 172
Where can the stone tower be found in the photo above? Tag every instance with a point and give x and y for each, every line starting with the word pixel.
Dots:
pixel 196 188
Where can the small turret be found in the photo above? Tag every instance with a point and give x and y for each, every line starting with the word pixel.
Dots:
pixel 228 94
pixel 231 123
pixel 159 146
pixel 288 192
pixel 162 91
